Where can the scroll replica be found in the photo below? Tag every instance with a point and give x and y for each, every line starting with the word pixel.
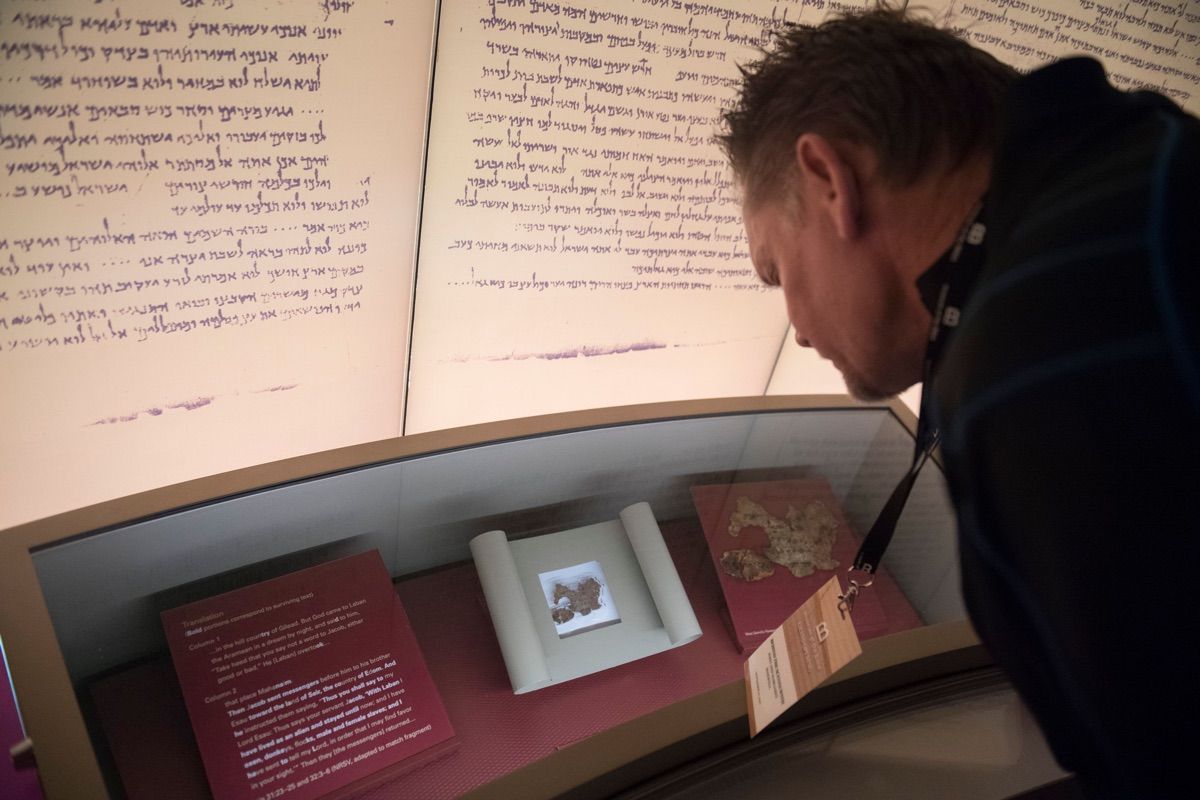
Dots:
pixel 774 544
pixel 572 603
pixel 306 685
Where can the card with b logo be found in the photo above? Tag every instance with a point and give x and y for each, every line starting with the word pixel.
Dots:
pixel 814 642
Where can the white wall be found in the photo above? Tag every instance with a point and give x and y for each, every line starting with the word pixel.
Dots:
pixel 179 298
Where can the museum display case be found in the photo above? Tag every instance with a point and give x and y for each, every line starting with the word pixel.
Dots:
pixel 85 589
pixel 419 224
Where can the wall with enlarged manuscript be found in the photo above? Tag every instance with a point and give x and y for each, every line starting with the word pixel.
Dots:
pixel 581 239
pixel 206 236
pixel 208 217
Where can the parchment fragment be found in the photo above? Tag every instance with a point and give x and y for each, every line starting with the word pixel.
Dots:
pixel 802 542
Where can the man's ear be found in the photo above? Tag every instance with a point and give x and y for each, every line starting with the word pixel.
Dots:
pixel 830 182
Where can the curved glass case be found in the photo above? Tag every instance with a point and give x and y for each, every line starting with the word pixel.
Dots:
pixel 82 622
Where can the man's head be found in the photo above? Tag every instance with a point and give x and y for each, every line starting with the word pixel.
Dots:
pixel 860 144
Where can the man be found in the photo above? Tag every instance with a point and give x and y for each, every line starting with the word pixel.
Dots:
pixel 1029 246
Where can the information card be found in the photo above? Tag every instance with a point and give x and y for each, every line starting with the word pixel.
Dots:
pixel 302 685
pixel 816 641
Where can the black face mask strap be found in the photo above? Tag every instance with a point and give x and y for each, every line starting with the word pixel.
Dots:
pixel 963 263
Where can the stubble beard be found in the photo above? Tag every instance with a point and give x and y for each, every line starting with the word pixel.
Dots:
pixel 869 393
pixel 892 374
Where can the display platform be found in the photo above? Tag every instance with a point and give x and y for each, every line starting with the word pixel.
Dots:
pixel 89 659
pixel 499 732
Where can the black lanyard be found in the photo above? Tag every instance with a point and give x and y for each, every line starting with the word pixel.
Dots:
pixel 957 270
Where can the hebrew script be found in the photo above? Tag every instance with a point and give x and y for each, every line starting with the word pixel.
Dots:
pixel 1151 44
pixel 578 210
pixel 207 214
pixel 222 123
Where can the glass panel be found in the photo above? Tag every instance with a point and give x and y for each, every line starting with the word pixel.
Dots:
pixel 105 591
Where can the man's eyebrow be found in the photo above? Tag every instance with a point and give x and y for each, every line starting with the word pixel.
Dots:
pixel 769 275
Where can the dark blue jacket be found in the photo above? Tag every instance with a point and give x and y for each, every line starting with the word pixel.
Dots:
pixel 1069 403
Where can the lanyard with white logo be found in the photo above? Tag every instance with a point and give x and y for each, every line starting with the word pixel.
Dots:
pixel 961 265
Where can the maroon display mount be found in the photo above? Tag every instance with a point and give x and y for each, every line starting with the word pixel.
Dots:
pixel 300 686
pixel 498 732
pixel 756 605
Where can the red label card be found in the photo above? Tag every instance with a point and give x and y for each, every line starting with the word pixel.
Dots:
pixel 301 685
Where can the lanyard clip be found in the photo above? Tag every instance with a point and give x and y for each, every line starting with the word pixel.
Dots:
pixel 846 599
